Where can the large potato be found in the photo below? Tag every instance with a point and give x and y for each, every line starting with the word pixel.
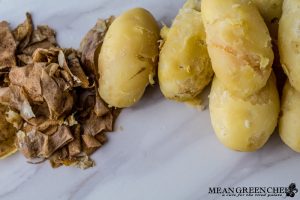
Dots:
pixel 184 67
pixel 244 124
pixel 239 45
pixel 289 126
pixel 289 41
pixel 128 58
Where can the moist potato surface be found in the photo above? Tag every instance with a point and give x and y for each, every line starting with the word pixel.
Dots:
pixel 239 45
pixel 289 41
pixel 128 58
pixel 244 124
pixel 184 65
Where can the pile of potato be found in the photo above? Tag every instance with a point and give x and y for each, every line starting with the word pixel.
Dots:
pixel 237 40
pixel 244 102
pixel 129 57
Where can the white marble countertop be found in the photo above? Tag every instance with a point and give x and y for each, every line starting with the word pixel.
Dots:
pixel 164 150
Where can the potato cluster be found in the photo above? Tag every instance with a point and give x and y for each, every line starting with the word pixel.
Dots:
pixel 244 102
pixel 129 57
pixel 237 40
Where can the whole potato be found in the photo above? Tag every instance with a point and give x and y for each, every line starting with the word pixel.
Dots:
pixel 128 58
pixel 289 126
pixel 289 41
pixel 244 124
pixel 239 45
pixel 184 67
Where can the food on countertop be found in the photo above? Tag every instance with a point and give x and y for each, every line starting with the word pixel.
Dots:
pixel 244 124
pixel 239 45
pixel 289 127
pixel 57 104
pixel 184 67
pixel 289 41
pixel 128 58
pixel 51 103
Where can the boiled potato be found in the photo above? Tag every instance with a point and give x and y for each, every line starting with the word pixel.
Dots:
pixel 271 12
pixel 239 45
pixel 244 124
pixel 184 67
pixel 128 58
pixel 289 127
pixel 289 41
pixel 269 9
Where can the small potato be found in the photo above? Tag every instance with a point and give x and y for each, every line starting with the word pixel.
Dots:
pixel 289 41
pixel 289 126
pixel 239 45
pixel 244 124
pixel 128 58
pixel 184 67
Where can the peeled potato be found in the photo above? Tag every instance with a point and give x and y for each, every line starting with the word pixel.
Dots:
pixel 271 12
pixel 269 9
pixel 128 58
pixel 289 126
pixel 184 67
pixel 289 41
pixel 239 45
pixel 244 124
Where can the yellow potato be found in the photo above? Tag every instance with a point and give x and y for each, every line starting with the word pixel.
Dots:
pixel 239 45
pixel 128 58
pixel 269 9
pixel 244 124
pixel 289 41
pixel 271 12
pixel 184 67
pixel 289 126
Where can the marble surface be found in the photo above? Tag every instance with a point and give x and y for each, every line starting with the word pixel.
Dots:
pixel 160 150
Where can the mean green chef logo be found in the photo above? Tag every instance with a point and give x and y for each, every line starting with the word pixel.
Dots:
pixel 292 190
pixel 289 191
